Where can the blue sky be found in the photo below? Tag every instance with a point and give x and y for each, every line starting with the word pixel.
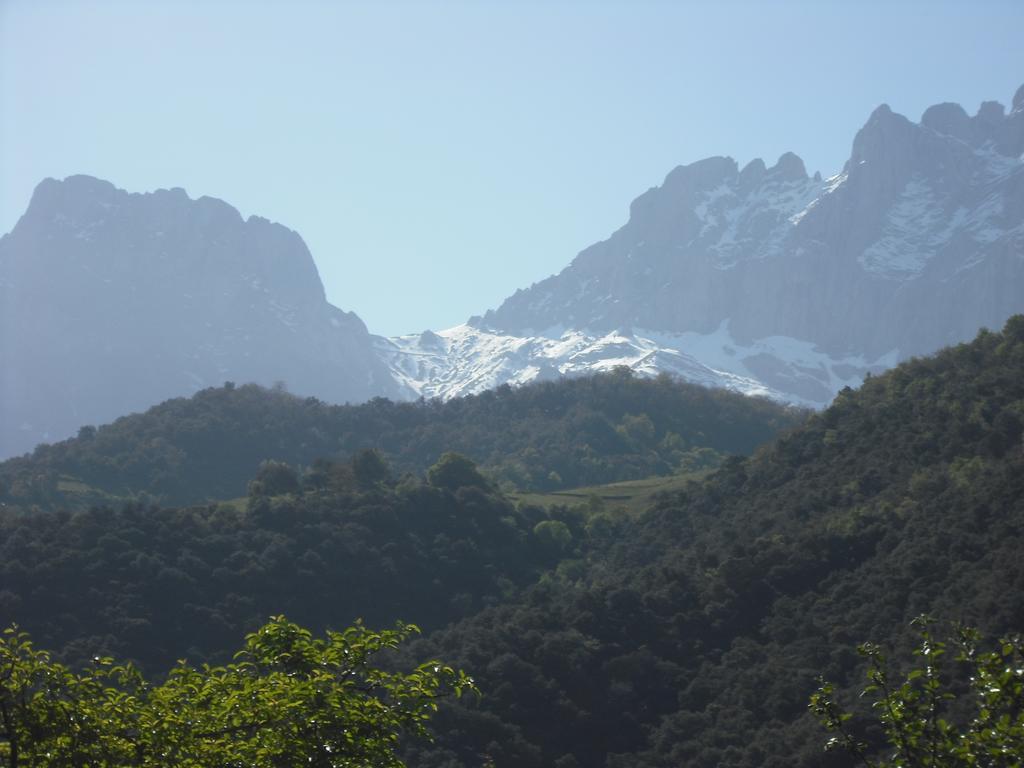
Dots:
pixel 437 156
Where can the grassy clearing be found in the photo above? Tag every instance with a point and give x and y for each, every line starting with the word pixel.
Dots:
pixel 632 495
pixel 77 494
pixel 240 504
pixel 68 484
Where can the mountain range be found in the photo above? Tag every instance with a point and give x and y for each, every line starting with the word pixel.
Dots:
pixel 763 280
pixel 769 281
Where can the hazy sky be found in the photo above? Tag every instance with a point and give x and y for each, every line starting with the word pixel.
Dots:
pixel 437 156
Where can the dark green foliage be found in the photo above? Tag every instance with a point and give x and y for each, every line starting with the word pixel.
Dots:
pixel 695 635
pixel 157 584
pixel 369 468
pixel 553 534
pixel 691 635
pixel 454 471
pixel 550 435
pixel 274 478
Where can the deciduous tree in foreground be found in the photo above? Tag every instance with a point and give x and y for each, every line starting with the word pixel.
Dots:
pixel 289 699
pixel 964 711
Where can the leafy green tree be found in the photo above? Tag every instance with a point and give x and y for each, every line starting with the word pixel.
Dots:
pixel 370 468
pixel 928 718
pixel 274 478
pixel 453 471
pixel 637 428
pixel 288 700
pixel 553 534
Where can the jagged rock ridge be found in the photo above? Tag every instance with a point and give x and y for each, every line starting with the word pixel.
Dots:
pixel 772 281
pixel 111 302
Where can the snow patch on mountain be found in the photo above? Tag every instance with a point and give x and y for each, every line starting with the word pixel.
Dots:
pixel 916 227
pixel 738 224
pixel 465 360
pixel 923 221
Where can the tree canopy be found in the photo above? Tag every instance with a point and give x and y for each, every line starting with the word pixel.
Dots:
pixel 689 633
pixel 289 699
pixel 962 712
pixel 694 633
pixel 555 434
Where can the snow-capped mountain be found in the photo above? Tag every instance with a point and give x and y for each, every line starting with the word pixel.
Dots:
pixel 769 281
pixel 466 359
pixel 762 280
pixel 111 302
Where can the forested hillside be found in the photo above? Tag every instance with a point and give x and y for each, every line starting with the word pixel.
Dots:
pixel 695 636
pixel 544 436
pixel 155 585
pixel 690 634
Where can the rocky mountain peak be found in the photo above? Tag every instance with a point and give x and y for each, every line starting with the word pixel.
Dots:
pixel 76 197
pixel 683 186
pixel 789 168
pixel 950 119
pixel 763 277
pixel 684 181
pixel 752 173
pixel 154 295
pixel 991 112
pixel 215 209
pixel 886 137
pixel 990 128
pixel 111 232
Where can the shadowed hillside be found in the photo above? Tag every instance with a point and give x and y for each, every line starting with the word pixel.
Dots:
pixel 540 437
pixel 691 633
pixel 694 636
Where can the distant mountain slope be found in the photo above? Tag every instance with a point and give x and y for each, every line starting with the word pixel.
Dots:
pixel 465 359
pixel 694 635
pixel 111 302
pixel 768 280
pixel 550 435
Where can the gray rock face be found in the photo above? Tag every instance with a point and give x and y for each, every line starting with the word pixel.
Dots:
pixel 916 244
pixel 111 302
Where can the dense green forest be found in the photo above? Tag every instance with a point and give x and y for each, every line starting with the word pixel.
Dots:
pixel 154 585
pixel 544 436
pixel 692 633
